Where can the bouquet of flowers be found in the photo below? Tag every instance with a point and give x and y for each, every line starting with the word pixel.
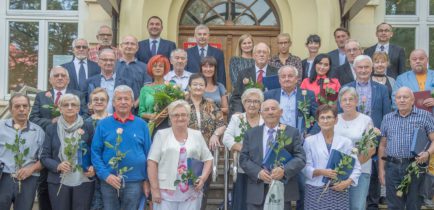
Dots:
pixel 19 154
pixel 248 83
pixel 369 140
pixel 327 95
pixel 281 141
pixel 412 169
pixel 115 160
pixel 304 107
pixel 54 109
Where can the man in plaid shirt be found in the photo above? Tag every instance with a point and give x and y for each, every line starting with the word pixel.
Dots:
pixel 104 37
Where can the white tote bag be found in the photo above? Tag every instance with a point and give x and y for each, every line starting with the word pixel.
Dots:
pixel 275 196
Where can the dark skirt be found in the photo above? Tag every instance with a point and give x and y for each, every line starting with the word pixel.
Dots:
pixel 330 200
pixel 239 192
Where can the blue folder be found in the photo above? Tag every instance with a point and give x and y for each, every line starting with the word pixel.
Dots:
pixel 419 142
pixel 271 82
pixel 270 157
pixel 196 166
pixel 84 157
pixel 335 157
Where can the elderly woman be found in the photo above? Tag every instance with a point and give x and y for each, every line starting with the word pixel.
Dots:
pixel 320 79
pixel 243 57
pixel 214 90
pixel 381 62
pixel 169 158
pixel 351 124
pixel 251 100
pixel 206 117
pixel 68 186
pixel 318 148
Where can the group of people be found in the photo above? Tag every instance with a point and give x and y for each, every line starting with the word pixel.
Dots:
pixel 85 143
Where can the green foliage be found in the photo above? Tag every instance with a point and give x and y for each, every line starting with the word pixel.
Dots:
pixel 119 156
pixel 167 95
pixel 412 170
pixel 18 155
pixel 186 177
pixel 251 84
pixel 54 109
pixel 369 140
pixel 244 126
pixel 304 107
pixel 282 140
pixel 329 93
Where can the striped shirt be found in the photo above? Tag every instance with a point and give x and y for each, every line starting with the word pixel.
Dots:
pixel 399 130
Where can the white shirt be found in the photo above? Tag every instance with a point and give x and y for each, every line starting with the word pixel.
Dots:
pixel 386 48
pixel 157 44
pixel 205 51
pixel 55 93
pixel 263 73
pixel 77 67
pixel 353 71
pixel 265 138
pixel 179 80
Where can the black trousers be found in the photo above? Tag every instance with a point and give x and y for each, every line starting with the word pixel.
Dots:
pixel 71 198
pixel 43 197
pixel 9 193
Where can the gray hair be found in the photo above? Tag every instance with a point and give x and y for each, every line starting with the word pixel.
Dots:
pixel 252 91
pixel 123 89
pixel 353 40
pixel 179 103
pixel 199 27
pixel 271 100
pixel 78 39
pixel 256 46
pixel 69 97
pixel 104 26
pixel 361 58
pixel 17 95
pixel 293 68
pixel 58 67
pixel 106 50
pixel 178 50
pixel 350 90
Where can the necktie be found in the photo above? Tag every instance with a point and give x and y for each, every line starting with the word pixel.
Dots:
pixel 382 48
pixel 270 139
pixel 202 52
pixel 260 77
pixel 154 47
pixel 82 77
pixel 58 94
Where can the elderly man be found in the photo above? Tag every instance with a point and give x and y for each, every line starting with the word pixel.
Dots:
pixel 203 49
pixel 338 55
pixel 284 57
pixel 107 79
pixel 80 68
pixel 420 78
pixel 104 37
pixel 178 59
pixel 131 72
pixel 255 146
pixel 261 55
pixel 155 45
pixel 346 73
pixel 397 130
pixel 396 53
pixel 122 192
pixel 19 182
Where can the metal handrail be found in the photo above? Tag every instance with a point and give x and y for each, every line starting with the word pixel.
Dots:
pixel 226 178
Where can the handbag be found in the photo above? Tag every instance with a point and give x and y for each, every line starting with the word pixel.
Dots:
pixel 274 199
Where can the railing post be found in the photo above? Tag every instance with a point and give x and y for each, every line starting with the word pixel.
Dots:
pixel 226 169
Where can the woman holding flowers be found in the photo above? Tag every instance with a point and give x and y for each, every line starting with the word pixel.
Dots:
pixel 320 82
pixel 353 124
pixel 178 151
pixel 318 148
pixel 233 139
pixel 66 144
pixel 214 90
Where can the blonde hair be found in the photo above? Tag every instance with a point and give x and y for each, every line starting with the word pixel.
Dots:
pixel 96 91
pixel 243 37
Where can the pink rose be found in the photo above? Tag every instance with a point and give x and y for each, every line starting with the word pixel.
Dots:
pixel 80 132
pixel 364 99
pixel 245 81
pixel 326 80
pixel 181 169
pixel 48 94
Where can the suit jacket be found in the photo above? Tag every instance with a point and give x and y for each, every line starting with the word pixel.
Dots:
pixel 251 161
pixel 92 69
pixel 396 59
pixel 95 82
pixel 194 59
pixel 300 121
pixel 408 79
pixel 249 73
pixel 334 55
pixel 50 149
pixel 343 74
pixel 380 102
pixel 305 67
pixel 165 47
pixel 42 116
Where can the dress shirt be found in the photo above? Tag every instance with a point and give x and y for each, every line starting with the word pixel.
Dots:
pixel 109 86
pixel 205 51
pixel 342 57
pixel 386 48
pixel 365 90
pixel 179 80
pixel 264 73
pixel 265 138
pixel 288 104
pixel 353 71
pixel 55 93
pixel 157 44
pixel 77 68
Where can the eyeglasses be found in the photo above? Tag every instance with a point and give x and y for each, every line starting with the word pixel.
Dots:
pixel 197 85
pixel 179 115
pixel 326 118
pixel 81 47
pixel 383 31
pixel 59 75
pixel 105 34
pixel 70 105
pixel 253 102
pixel 129 43
pixel 98 100
pixel 353 50
pixel 107 60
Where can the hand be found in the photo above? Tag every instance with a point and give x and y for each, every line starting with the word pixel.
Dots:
pixel 341 186
pixel 24 173
pixel 214 142
pixel 146 188
pixel 329 173
pixel 90 172
pixel 371 152
pixel 64 167
pixel 422 157
pixel 265 176
pixel 237 147
pixel 381 177
pixel 54 120
pixel 114 181
pixel 429 102
pixel 156 196
pixel 198 185
pixel 277 173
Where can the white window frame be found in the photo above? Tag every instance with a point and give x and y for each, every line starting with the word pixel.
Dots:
pixel 43 17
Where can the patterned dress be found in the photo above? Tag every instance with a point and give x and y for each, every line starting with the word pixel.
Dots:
pixel 211 118
pixel 236 65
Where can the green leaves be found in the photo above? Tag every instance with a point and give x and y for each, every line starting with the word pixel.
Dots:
pixel 169 94
pixel 412 170
pixel 55 112
pixel 119 156
pixel 282 140
pixel 108 145
pixel 244 126
pixel 368 140
pixel 342 166
pixel 304 107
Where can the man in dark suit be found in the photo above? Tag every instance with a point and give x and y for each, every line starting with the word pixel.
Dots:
pixel 155 45
pixel 203 49
pixel 80 68
pixel 345 73
pixel 395 52
pixel 338 55
pixel 261 55
pixel 255 146
pixel 43 116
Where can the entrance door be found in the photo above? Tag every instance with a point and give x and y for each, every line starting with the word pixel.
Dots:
pixel 228 20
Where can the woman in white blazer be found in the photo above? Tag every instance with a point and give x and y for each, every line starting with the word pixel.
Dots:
pixel 251 99
pixel 318 148
pixel 168 159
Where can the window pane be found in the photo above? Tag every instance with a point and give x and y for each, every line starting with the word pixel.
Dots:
pixel 431 7
pixel 25 4
pixel 62 4
pixel 60 37
pixel 23 55
pixel 400 7
pixel 431 47
pixel 405 37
